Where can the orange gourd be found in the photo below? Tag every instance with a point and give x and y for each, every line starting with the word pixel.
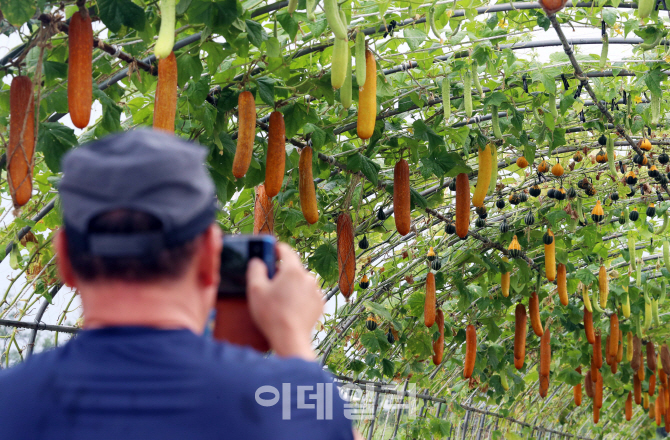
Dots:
pixel 577 390
pixel 462 205
pixel 545 353
pixel 275 163
pixel 306 188
pixel 588 326
pixel 165 107
pixel 562 284
pixel 401 197
pixel 544 386
pixel 21 140
pixel 520 330
pixel 550 257
pixel 438 346
pixel 534 312
pixel 598 351
pixel 346 254
pixel 613 347
pixel 470 351
pixel 429 305
pixel 264 222
pixel 246 119
pixel 80 66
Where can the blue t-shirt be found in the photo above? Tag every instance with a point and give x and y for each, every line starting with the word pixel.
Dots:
pixel 141 383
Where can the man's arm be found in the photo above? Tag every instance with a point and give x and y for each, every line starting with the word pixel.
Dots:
pixel 286 307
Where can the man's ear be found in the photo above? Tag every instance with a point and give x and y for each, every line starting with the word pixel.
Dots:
pixel 209 258
pixel 63 259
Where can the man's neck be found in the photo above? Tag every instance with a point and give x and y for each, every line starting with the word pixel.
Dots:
pixel 164 305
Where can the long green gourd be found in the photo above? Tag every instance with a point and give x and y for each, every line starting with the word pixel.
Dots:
pixel 165 41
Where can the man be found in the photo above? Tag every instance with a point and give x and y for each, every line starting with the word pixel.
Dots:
pixel 141 246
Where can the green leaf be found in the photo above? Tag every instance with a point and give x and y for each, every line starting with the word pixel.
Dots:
pixel 324 262
pixel 443 164
pixel 414 37
pixel 370 341
pixel 266 89
pixel 217 15
pixel 388 368
pixel 417 199
pixel 117 13
pixel 653 80
pixel 570 376
pixel 289 23
pixel 495 98
pixel 111 112
pixel 378 310
pixel 367 166
pixel 17 12
pixel 255 33
pixel 54 141
pixel 188 67
pixel 215 55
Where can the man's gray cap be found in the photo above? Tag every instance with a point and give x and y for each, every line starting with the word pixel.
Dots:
pixel 142 170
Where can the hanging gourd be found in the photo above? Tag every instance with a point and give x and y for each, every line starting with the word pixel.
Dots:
pixel 165 40
pixel 520 330
pixel 514 248
pixel 79 75
pixel 653 172
pixel 470 351
pixel 21 140
pixel 535 190
pixel 346 254
pixel 549 255
pixel 462 205
pixel 481 212
pixel 307 192
pixel 645 144
pixel 521 162
pixel 633 215
pixel 367 98
pixel 529 219
pixel 401 197
pixel 560 194
pixel 246 133
pixel 263 212
pixel 504 226
pixel 562 284
pixel 429 304
pixel 601 157
pixel 364 283
pixel 577 157
pixel 371 323
pixel 552 6
pixel 505 280
pixel 543 167
pixel 275 162
pixel 651 210
pixel 557 169
pixel 597 215
pixel 485 159
pixel 534 312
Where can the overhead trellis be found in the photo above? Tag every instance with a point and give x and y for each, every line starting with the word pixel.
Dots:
pixel 453 79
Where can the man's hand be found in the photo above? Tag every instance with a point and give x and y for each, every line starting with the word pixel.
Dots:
pixel 286 307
